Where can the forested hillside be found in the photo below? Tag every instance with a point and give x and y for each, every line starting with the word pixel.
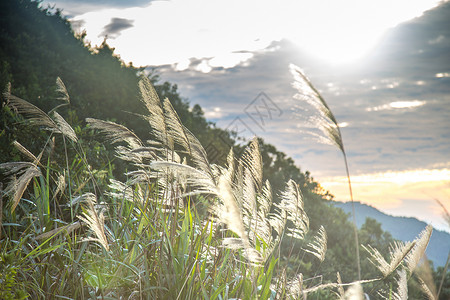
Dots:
pixel 403 228
pixel 37 46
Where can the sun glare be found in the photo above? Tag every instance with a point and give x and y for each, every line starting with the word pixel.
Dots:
pixel 226 32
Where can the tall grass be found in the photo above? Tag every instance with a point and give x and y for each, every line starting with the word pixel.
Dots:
pixel 177 228
pixel 326 122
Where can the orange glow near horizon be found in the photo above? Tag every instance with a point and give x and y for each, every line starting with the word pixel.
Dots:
pixel 407 193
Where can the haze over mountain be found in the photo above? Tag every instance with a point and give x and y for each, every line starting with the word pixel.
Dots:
pixel 402 228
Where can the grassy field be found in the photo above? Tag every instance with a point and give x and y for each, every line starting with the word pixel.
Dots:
pixel 178 227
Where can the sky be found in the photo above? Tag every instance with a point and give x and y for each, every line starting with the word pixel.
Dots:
pixel 382 66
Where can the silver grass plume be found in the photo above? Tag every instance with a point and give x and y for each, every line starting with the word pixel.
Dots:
pixel 229 212
pixel 168 129
pixel 156 118
pixel 421 243
pixel 252 161
pixel 198 154
pixel 96 222
pixel 64 127
pixel 341 292
pixel 62 90
pixel 398 252
pixel 295 287
pixel 318 247
pixel 40 118
pixel 116 133
pixel 402 287
pixel 430 292
pixel 63 95
pixel 67 229
pixel 199 181
pixel 174 127
pixel 121 190
pixel 32 113
pixel 24 150
pixel 60 185
pixel 27 153
pixel 87 197
pixel 20 174
pixel 331 133
pixel 445 213
pixel 354 292
pixel 292 204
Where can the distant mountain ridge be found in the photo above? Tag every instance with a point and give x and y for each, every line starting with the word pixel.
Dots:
pixel 402 228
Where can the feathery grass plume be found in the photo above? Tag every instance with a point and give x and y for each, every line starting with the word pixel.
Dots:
pixel 318 247
pixel 20 175
pixel 198 154
pixel 227 210
pixel 331 133
pixel 138 155
pixel 116 133
pixel 265 199
pixel 421 243
pixel 62 90
pixel 60 185
pixel 445 213
pixel 197 180
pixel 87 197
pixel 341 292
pixel 31 112
pixel 252 161
pixel 292 204
pixel 168 129
pixel 248 200
pixel 398 252
pixel 429 291
pixel 295 287
pixel 67 229
pixel 24 150
pixel 63 95
pixel 401 292
pixel 27 153
pixel 402 286
pixel 121 190
pixel 444 273
pixel 424 274
pixel 354 292
pixel 96 222
pixel 40 118
pixel 174 127
pixel 156 118
pixel 264 225
pixel 64 127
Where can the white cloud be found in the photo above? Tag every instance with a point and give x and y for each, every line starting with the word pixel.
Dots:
pixel 398 105
pixel 214 114
pixel 204 66
pixel 442 75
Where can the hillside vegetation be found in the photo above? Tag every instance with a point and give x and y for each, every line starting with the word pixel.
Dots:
pixel 102 200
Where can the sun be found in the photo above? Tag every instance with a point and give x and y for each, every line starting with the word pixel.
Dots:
pixel 345 31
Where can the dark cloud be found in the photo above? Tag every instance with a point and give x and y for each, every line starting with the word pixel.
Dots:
pixel 78 7
pixel 108 3
pixel 116 25
pixel 402 69
pixel 424 40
